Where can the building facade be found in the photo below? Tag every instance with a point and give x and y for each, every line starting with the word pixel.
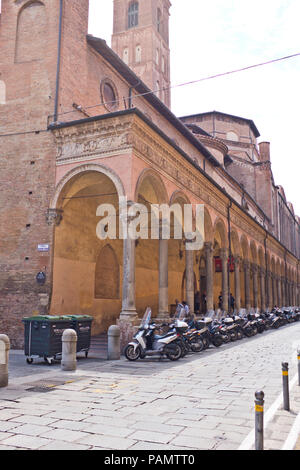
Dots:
pixel 81 125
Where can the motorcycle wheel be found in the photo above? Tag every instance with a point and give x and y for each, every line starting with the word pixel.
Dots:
pixel 226 339
pixel 205 343
pixel 233 336
pixel 132 354
pixel 197 345
pixel 175 353
pixel 240 335
pixel 217 341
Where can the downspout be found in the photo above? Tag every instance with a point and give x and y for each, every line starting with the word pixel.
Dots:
pixel 130 94
pixel 58 61
pixel 267 272
pixel 230 253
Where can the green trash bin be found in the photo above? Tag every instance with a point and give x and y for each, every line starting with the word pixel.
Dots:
pixel 43 336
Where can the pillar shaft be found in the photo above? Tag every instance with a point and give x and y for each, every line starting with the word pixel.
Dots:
pixel 237 281
pixel 208 249
pixel 189 277
pixel 224 257
pixel 247 285
pixel 163 297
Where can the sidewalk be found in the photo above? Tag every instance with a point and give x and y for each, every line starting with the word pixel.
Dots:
pixel 193 404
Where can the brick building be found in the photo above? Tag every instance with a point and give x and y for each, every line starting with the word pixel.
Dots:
pixel 79 127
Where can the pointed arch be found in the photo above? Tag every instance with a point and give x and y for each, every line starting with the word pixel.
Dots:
pixel 31 38
pixel 107 274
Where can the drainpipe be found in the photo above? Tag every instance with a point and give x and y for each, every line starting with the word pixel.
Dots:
pixel 266 283
pixel 130 94
pixel 230 252
pixel 58 61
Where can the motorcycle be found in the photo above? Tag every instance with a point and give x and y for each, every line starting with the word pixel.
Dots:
pixel 147 343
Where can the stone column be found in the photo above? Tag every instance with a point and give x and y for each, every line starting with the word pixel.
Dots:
pixel 128 299
pixel 279 298
pixel 163 298
pixel 274 290
pixel 247 285
pixel 224 258
pixel 263 289
pixel 288 293
pixel 208 250
pixel 270 295
pixel 237 282
pixel 255 285
pixel 189 277
pixel 282 291
pixel 293 294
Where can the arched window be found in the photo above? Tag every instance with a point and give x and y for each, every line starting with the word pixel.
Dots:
pixel 232 136
pixel 133 15
pixel 31 40
pixel 126 55
pixel 2 92
pixel 107 275
pixel 138 53
pixel 159 20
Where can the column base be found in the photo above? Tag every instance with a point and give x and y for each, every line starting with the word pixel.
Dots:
pixel 128 323
pixel 162 317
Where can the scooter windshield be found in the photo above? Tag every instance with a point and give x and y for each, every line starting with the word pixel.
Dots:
pixel 180 312
pixel 146 320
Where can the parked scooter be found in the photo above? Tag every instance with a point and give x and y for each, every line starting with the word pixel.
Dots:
pixel 147 343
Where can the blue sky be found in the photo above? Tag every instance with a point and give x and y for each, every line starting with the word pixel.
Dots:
pixel 221 35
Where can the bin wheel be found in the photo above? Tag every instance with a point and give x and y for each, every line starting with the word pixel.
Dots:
pixel 29 360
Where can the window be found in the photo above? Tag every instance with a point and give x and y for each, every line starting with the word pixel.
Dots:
pixel 109 95
pixel 133 15
pixel 138 54
pixel 158 19
pixel 157 92
pixel 232 136
pixel 163 64
pixel 2 92
pixel 126 55
pixel 157 57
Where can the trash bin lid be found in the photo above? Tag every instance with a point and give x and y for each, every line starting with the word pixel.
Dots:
pixel 79 317
pixel 49 318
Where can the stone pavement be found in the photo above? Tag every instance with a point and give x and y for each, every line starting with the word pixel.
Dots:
pixel 204 401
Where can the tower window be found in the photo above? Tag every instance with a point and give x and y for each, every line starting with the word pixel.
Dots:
pixel 126 55
pixel 2 92
pixel 158 19
pixel 133 15
pixel 138 54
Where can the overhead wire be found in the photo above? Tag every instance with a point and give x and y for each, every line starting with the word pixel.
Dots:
pixel 192 82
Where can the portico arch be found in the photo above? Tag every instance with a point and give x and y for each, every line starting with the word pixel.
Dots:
pixel 81 258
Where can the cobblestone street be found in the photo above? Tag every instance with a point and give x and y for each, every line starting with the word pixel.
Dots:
pixel 204 401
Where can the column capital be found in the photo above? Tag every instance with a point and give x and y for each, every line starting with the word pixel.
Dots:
pixel 208 246
pixel 224 253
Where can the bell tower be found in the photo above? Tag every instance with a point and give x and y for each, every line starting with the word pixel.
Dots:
pixel 141 39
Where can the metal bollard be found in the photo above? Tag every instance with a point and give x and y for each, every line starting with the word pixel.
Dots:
pixel 69 350
pixel 285 384
pixel 259 420
pixel 298 356
pixel 4 354
pixel 113 344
